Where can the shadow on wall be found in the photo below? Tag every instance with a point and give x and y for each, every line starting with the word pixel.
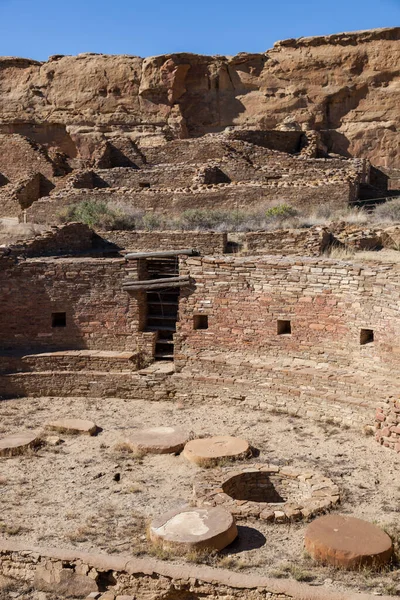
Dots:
pixel 196 110
pixel 336 142
pixel 3 180
pixel 31 321
pixel 50 135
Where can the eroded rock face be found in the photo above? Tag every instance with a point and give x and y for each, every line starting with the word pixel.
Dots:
pixel 346 86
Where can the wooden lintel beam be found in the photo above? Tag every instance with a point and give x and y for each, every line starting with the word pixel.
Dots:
pixel 142 285
pixel 137 255
pixel 155 281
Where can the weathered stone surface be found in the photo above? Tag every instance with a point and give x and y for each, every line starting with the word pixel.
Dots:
pixel 158 440
pixel 65 582
pixel 209 451
pixel 18 443
pixel 194 529
pixel 73 426
pixel 347 542
pixel 266 492
pixel 344 85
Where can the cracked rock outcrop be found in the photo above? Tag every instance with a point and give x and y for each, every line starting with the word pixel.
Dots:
pixel 344 86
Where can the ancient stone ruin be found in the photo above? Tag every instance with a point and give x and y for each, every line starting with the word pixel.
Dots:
pixel 199 323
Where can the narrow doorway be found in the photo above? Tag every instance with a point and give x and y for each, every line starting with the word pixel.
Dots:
pixel 162 305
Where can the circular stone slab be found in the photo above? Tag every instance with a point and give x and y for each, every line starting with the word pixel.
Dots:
pixel 17 444
pixel 347 542
pixel 194 529
pixel 157 440
pixel 207 452
pixel 73 426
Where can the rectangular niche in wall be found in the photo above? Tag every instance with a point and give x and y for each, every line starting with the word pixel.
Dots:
pixel 144 184
pixel 366 336
pixel 59 319
pixel 284 327
pixel 200 322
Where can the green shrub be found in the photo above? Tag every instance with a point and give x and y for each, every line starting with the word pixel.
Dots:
pixel 203 219
pixel 89 212
pixel 98 214
pixel 150 222
pixel 280 212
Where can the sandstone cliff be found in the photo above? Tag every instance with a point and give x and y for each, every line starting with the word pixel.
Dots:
pixel 347 86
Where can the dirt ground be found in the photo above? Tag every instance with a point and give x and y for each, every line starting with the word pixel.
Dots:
pixel 88 492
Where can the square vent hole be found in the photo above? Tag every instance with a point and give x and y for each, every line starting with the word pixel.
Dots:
pixel 59 319
pixel 284 327
pixel 366 336
pixel 200 322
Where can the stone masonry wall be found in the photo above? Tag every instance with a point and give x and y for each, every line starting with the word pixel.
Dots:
pixel 20 157
pixel 99 314
pixel 209 242
pixel 331 307
pixel 69 239
pixel 66 571
pixel 306 242
pixel 387 424
pixel 222 196
pixel 326 366
pixel 63 572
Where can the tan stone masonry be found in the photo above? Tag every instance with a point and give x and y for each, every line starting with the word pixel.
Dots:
pixel 147 574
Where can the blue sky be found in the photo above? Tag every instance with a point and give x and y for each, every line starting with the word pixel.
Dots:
pixel 39 28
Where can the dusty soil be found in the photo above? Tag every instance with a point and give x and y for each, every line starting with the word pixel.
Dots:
pixel 89 492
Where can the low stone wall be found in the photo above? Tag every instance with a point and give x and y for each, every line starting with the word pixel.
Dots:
pixel 294 388
pixel 64 572
pixel 69 239
pixel 90 384
pixel 208 242
pixel 387 424
pixel 282 141
pixel 80 360
pixel 307 242
pixel 212 197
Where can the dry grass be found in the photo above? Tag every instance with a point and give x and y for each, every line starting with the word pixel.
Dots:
pixel 12 231
pixel 124 450
pixel 381 256
pixel 11 529
pixel 293 570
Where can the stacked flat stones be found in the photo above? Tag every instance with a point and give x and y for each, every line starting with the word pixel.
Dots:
pixel 387 424
pixel 304 493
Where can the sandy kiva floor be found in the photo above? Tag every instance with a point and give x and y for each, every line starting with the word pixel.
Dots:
pixel 91 493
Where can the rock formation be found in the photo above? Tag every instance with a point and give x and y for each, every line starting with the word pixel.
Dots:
pixel 345 86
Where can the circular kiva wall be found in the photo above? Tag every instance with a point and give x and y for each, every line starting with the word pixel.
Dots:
pixel 272 493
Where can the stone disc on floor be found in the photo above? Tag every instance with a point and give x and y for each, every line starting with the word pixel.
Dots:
pixel 157 440
pixel 73 426
pixel 194 529
pixel 207 452
pixel 18 443
pixel 347 542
